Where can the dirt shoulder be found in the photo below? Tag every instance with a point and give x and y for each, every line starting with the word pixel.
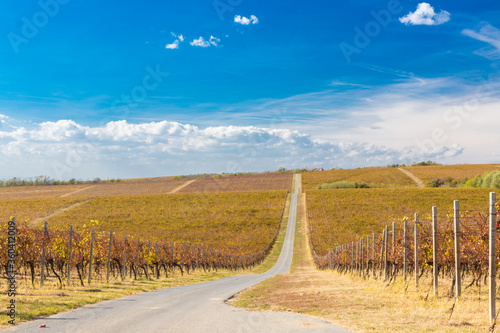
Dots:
pixel 359 306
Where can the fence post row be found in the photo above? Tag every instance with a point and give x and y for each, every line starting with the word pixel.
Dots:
pixel 416 249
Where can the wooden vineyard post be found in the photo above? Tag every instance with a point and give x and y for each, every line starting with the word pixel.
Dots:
pixel 458 273
pixel 356 266
pixel 416 249
pixel 173 256
pixel 435 268
pixel 492 257
pixel 386 243
pixel 147 259
pixel 330 255
pixel 197 259
pixel 110 248
pixel 70 248
pixel 368 256
pixel 91 255
pixel 124 258
pixel 361 257
pixel 382 252
pixel 44 245
pixel 393 254
pixel 157 269
pixel 352 257
pixel 405 227
pixel 137 258
pixel 373 255
pixel 163 258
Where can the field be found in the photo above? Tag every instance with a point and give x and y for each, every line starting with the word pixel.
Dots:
pixel 33 209
pixel 339 216
pixel 255 182
pixel 240 221
pixel 380 177
pixel 457 172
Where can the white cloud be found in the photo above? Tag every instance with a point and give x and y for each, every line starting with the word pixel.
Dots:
pixel 425 15
pixel 173 46
pixel 214 41
pixel 65 149
pixel 246 21
pixel 488 34
pixel 201 42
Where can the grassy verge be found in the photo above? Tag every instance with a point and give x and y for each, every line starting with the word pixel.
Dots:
pixel 39 302
pixel 363 306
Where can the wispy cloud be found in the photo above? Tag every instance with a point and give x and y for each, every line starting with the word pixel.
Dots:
pixel 425 15
pixel 246 21
pixel 488 34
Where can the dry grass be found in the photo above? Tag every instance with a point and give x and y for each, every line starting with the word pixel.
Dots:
pixel 363 306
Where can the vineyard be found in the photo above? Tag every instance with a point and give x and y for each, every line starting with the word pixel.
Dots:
pixel 254 182
pixel 445 245
pixel 153 235
pixel 376 177
pixel 457 172
pixel 340 216
pixel 240 221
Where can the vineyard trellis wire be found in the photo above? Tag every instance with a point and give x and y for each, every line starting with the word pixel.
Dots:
pixel 464 242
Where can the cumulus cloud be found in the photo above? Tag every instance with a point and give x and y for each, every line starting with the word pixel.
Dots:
pixel 65 149
pixel 425 15
pixel 246 21
pixel 488 34
pixel 201 42
pixel 175 44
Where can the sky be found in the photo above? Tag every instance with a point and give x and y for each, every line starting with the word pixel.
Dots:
pixel 156 88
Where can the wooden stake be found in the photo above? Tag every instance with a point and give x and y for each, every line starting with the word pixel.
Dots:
pixel 110 249
pixel 435 264
pixel 416 249
pixel 70 248
pixel 44 244
pixel 405 227
pixel 91 255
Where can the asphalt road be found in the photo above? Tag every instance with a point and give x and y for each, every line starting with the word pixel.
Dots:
pixel 194 308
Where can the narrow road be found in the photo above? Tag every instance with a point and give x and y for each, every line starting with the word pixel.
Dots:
pixel 178 188
pixel 417 180
pixel 193 308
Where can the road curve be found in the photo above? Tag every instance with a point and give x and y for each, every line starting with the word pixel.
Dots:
pixel 193 308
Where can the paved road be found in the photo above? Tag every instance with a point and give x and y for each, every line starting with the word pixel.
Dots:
pixel 194 308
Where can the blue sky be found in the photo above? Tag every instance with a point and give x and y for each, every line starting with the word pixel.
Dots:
pixel 97 89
